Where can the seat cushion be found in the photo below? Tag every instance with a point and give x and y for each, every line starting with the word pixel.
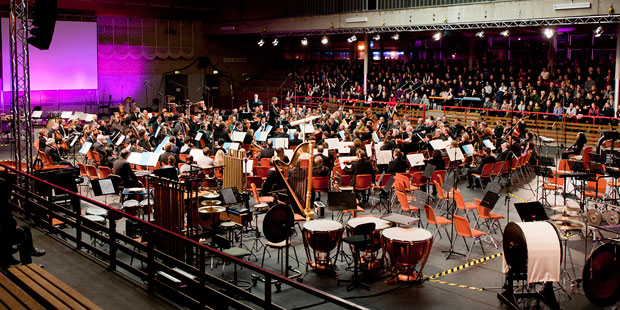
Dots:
pixel 477 233
pixel 237 252
pixel 442 220
pixel 356 240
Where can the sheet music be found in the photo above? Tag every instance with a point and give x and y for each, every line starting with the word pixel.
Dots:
pixel 120 140
pixel 198 136
pixel 384 157
pixel 85 148
pixel 332 143
pixel 438 144
pixel 66 114
pixel 341 134
pixel 107 187
pixel 344 147
pixel 152 160
pixel 291 132
pixel 469 149
pixel 416 159
pixel 342 159
pixel 157 131
pixel 289 153
pixel 247 168
pixel 36 114
pixel 488 144
pixel 375 137
pixel 237 136
pixel 262 136
pixel 134 158
pixel 90 117
pixel 455 154
pixel 73 141
pixel 197 154
pixel 281 142
pixel 368 148
pixel 325 152
pixel 160 147
pixel 307 128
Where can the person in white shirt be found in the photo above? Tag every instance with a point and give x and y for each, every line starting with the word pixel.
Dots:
pixel 206 160
pixel 189 165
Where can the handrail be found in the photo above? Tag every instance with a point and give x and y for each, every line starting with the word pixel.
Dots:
pixel 563 115
pixel 202 248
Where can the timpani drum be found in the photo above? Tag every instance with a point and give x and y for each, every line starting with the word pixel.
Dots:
pixel 370 254
pixel 261 207
pixel 601 275
pixel 131 207
pixel 321 238
pixel 405 248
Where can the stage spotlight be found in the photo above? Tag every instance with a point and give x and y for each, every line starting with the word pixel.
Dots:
pixel 548 33
pixel 304 41
pixel 505 33
pixel 275 42
pixel 598 31
pixel 261 42
pixel 437 36
pixel 376 37
pixel 324 40
pixel 353 38
pixel 480 34
pixel 395 36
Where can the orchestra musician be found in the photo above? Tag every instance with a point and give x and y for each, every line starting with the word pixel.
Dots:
pixel 399 164
pixel 361 166
pixel 485 158
pixel 51 149
pixel 273 112
pixel 267 152
pixel 122 168
pixel 576 148
pixel 105 153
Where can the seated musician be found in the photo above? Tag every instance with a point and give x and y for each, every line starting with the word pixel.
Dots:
pixel 122 168
pixel 51 149
pixel 576 148
pixel 318 169
pixel 361 166
pixel 187 146
pixel 325 160
pixel 42 139
pixel 281 156
pixel 437 160
pixel 295 141
pixel 143 141
pixel 171 164
pixel 515 147
pixel 163 158
pixel 249 137
pixel 357 145
pixel 105 154
pixel 219 158
pixel 505 152
pixel 485 158
pixel 267 152
pixel 399 164
pixel 206 160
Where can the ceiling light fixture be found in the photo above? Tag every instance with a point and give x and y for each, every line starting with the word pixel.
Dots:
pixel 324 40
pixel 598 31
pixel 480 34
pixel 505 33
pixel 437 36
pixel 304 41
pixel 261 42
pixel 395 36
pixel 376 37
pixel 548 33
pixel 275 42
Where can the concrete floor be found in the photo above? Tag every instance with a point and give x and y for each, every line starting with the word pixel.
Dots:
pixel 470 288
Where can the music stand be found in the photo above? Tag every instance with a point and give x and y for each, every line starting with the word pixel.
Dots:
pixel 420 199
pixel 341 201
pixel 104 187
pixel 229 196
pixel 491 195
pixel 428 174
pixel 531 211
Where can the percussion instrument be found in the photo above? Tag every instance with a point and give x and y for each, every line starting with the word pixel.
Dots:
pixel 321 237
pixel 533 248
pixel 375 244
pixel 601 275
pixel 135 190
pixel 97 211
pixel 116 205
pixel 405 248
pixel 612 217
pixel 564 217
pixel 594 217
pixel 131 207
pixel 565 209
pixel 211 195
pixel 261 207
pixel 211 203
pixel 95 218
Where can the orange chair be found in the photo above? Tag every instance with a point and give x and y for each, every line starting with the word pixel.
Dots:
pixel 104 172
pixel 404 204
pixel 92 172
pixel 183 157
pixel 261 171
pixel 596 189
pixel 497 169
pixel 256 180
pixel 461 225
pixel 402 183
pixel 485 174
pixel 438 221
pixel 93 157
pixel 462 205
pixel 491 219
pixel 439 176
pixel 260 199
pixel 363 183
pixel 320 184
pixel 418 179
pixel 265 162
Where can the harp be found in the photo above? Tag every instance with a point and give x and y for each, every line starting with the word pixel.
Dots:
pixel 299 182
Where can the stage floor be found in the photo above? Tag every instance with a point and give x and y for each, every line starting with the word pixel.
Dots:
pixel 474 287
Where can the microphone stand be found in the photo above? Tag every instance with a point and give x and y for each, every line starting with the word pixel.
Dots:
pixel 451 209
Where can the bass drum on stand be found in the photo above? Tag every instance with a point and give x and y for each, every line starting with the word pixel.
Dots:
pixel 601 275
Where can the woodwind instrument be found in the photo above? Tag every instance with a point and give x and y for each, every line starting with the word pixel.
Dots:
pixel 303 206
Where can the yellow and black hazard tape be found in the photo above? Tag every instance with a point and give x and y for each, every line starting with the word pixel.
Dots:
pixel 467 265
pixel 473 288
pixel 515 196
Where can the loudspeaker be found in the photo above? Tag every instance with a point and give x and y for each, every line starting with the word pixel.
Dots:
pixel 176 86
pixel 43 22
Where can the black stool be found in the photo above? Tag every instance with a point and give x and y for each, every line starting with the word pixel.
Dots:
pixel 361 239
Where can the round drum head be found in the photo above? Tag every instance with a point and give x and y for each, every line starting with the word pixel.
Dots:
pixel 601 275
pixel 515 247
pixel 612 217
pixel 594 217
pixel 278 223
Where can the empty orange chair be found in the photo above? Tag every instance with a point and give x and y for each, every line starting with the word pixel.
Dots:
pixel 256 180
pixel 462 205
pixel 320 184
pixel 260 199
pixel 461 225
pixel 596 189
pixel 431 218
pixel 92 173
pixel 497 169
pixel 265 162
pixel 490 218
pixel 418 179
pixel 404 204
pixel 261 171
pixel 104 172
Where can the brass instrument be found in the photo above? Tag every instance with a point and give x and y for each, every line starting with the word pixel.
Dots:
pixel 304 148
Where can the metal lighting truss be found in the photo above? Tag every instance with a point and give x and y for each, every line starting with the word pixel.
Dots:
pixel 20 82
pixel 516 23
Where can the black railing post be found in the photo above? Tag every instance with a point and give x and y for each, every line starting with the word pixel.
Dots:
pixel 150 258
pixel 268 303
pixel 112 240
pixel 202 261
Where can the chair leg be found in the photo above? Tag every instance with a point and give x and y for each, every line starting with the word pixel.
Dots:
pixel 466 246
pixel 262 262
pixel 471 248
pixel 482 247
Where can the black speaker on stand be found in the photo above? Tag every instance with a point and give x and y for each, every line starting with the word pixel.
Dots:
pixel 43 22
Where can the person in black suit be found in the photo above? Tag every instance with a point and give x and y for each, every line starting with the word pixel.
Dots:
pixel 273 112
pixel 515 147
pixel 104 154
pixel 295 141
pixel 51 149
pixel 268 152
pixel 486 158
pixel 437 161
pixel 163 158
pixel 576 148
pixel 504 154
pixel 399 164
pixel 318 169
pixel 325 160
pixel 361 166
pixel 122 168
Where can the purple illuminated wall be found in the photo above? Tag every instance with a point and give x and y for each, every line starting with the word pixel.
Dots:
pixel 69 64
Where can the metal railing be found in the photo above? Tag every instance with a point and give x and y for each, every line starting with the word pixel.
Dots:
pixel 60 212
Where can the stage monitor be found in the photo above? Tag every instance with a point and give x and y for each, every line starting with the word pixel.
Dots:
pixel 531 211
pixel 70 62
